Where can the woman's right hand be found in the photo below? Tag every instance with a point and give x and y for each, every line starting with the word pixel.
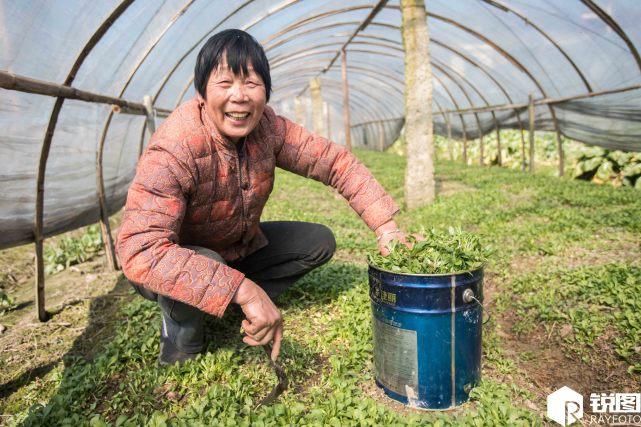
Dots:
pixel 263 323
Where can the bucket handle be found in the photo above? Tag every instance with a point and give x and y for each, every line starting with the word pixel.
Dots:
pixel 468 297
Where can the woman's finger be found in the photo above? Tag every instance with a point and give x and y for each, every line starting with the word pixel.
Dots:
pixel 250 341
pixel 261 333
pixel 278 337
pixel 265 340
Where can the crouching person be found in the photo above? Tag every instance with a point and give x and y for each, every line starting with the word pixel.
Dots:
pixel 191 238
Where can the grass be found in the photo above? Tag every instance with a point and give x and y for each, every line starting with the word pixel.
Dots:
pixel 564 252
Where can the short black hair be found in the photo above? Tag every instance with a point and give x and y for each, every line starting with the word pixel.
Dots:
pixel 241 49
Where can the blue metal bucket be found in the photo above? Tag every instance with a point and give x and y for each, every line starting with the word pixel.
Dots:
pixel 427 336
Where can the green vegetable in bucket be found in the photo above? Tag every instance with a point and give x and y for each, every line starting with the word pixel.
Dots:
pixel 441 252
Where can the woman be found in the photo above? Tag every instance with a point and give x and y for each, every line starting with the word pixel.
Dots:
pixel 191 237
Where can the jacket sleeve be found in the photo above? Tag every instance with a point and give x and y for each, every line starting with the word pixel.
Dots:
pixel 148 246
pixel 315 157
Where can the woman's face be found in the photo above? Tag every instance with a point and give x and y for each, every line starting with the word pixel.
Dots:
pixel 235 103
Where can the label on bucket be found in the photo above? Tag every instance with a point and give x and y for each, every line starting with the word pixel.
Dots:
pixel 395 357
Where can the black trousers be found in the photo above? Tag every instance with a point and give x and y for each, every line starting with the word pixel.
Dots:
pixel 294 249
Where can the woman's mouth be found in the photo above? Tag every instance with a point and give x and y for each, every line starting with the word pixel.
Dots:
pixel 236 116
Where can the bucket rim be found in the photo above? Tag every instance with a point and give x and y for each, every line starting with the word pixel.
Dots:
pixel 455 273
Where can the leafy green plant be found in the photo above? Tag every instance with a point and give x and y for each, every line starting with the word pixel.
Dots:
pixel 604 166
pixel 73 250
pixel 6 302
pixel 590 300
pixel 441 252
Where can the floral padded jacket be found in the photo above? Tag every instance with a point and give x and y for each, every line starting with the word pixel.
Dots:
pixel 195 187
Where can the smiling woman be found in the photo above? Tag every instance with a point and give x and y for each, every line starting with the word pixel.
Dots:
pixel 232 80
pixel 191 237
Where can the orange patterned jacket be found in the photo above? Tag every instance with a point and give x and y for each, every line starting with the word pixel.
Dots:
pixel 192 188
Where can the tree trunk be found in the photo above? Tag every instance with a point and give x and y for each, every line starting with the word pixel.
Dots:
pixel 419 175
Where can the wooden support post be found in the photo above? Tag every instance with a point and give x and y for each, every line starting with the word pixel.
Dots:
pixel 450 147
pixel 317 106
pixel 346 116
pixel 559 143
pixel 419 175
pixel 523 158
pixel 531 123
pixel 481 149
pixel 498 145
pixel 43 316
pixel 464 142
pixel 518 118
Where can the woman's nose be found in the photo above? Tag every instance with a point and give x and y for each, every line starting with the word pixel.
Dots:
pixel 238 93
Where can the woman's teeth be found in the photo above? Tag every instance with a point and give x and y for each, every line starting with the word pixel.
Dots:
pixel 237 116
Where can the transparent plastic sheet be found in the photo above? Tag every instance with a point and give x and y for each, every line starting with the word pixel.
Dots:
pixel 41 39
pixel 23 120
pixel 483 53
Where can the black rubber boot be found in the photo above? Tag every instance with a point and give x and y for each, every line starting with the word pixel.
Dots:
pixel 171 355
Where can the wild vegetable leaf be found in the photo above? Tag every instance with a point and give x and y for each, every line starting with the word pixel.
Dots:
pixel 441 252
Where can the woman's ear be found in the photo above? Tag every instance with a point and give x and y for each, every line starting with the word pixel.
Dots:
pixel 200 99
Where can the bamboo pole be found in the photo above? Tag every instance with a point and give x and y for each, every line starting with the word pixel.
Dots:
pixel 346 116
pixel 559 143
pixel 370 17
pixel 394 119
pixel 532 123
pixel 43 316
pixel 105 228
pixel 26 84
pixel 523 159
pixel 15 82
pixel 464 144
pixel 149 110
pixel 541 101
pixel 498 144
pixel 481 148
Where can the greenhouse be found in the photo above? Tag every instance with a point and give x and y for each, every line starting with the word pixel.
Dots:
pixel 488 149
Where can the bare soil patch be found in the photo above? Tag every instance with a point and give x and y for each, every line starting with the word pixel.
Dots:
pixel 84 301
pixel 446 187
